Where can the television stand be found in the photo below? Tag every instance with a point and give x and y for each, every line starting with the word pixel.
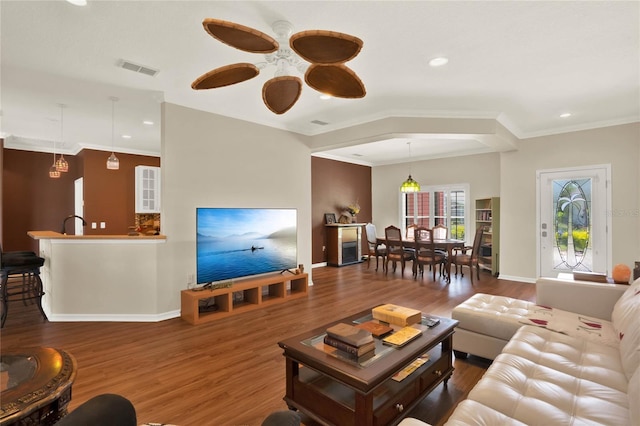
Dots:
pixel 243 296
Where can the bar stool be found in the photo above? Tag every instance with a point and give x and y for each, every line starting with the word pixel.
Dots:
pixel 25 265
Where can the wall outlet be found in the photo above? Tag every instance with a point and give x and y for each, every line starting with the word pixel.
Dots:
pixel 103 225
pixel 191 278
pixel 94 225
pixel 324 248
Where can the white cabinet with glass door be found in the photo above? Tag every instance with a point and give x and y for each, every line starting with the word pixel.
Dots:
pixel 147 189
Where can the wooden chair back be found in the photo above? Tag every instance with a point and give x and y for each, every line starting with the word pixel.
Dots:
pixel 410 231
pixel 477 241
pixel 440 232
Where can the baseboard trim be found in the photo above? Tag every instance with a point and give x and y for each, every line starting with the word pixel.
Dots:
pixel 515 278
pixel 113 317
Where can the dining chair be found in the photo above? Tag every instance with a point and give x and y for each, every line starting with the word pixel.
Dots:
pixel 374 249
pixel 426 253
pixel 395 248
pixel 440 232
pixel 408 236
pixel 468 255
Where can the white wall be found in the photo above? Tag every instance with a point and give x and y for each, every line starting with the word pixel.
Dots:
pixel 482 172
pixel 213 161
pixel 617 145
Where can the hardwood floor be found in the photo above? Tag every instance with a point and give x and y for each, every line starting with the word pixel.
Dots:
pixel 231 371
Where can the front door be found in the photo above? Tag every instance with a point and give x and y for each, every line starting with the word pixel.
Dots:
pixel 572 220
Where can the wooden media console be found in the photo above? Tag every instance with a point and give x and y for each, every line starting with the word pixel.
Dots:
pixel 242 296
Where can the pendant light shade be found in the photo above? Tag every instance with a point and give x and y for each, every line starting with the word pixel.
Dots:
pixel 112 162
pixel 410 185
pixel 53 172
pixel 61 163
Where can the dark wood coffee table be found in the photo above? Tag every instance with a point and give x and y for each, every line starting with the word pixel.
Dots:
pixel 335 390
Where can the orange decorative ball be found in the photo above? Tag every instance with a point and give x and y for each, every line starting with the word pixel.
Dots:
pixel 621 274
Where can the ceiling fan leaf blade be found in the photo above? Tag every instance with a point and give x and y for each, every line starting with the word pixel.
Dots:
pixel 225 76
pixel 336 80
pixel 281 93
pixel 239 36
pixel 325 47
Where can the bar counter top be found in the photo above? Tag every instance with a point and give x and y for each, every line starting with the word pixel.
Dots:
pixel 52 235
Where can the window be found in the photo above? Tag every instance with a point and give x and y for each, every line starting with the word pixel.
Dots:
pixel 438 205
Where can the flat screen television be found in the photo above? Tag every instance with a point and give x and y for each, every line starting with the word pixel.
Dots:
pixel 239 242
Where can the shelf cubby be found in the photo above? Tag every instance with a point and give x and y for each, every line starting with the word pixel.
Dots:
pixel 243 296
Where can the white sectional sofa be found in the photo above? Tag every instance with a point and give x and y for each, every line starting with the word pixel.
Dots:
pixel 573 358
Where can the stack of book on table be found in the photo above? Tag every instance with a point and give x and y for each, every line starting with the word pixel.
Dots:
pixel 350 340
pixel 401 316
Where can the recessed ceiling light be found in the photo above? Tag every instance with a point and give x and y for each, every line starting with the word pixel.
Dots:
pixel 565 115
pixel 438 61
pixel 148 122
pixel 126 136
pixel 78 2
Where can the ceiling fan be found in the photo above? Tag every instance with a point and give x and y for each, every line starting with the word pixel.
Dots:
pixel 326 51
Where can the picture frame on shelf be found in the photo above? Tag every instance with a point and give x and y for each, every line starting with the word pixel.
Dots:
pixel 329 218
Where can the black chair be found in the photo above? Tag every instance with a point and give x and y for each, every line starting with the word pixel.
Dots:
pixel 20 280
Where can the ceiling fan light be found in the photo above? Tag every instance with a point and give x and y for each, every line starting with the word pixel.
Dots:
pixel 410 185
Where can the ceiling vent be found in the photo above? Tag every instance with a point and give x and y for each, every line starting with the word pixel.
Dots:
pixel 319 123
pixel 127 65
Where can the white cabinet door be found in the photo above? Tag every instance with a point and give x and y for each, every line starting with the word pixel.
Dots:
pixel 147 189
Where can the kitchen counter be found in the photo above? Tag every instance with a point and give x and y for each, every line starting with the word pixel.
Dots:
pixel 39 235
pixel 100 277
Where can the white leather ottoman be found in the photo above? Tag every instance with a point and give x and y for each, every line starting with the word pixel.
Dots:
pixel 487 323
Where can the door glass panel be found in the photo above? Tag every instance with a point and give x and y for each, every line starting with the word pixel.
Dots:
pixel 572 224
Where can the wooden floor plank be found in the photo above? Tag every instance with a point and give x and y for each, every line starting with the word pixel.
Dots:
pixel 231 371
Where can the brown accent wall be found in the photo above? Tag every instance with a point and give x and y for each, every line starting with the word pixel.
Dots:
pixel 33 201
pixel 334 185
pixel 109 195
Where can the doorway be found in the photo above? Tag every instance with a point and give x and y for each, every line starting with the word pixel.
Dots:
pixel 78 205
pixel 572 221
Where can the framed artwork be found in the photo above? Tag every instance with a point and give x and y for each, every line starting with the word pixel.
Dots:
pixel 329 218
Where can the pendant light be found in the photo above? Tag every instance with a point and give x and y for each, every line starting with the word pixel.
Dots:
pixel 410 185
pixel 61 163
pixel 54 173
pixel 112 162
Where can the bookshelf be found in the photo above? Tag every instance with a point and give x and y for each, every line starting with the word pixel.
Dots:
pixel 242 296
pixel 488 217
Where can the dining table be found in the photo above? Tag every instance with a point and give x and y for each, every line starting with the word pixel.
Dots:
pixel 447 245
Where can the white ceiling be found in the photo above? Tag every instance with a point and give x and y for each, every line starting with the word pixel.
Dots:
pixel 522 63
